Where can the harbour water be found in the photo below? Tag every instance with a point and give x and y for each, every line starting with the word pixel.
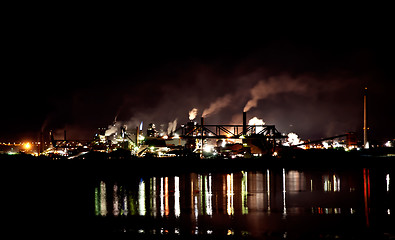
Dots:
pixel 277 203
pixel 255 202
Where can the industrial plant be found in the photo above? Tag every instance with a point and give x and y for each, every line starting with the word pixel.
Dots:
pixel 251 138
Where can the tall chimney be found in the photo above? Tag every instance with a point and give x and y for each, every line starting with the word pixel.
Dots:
pixel 41 145
pixel 202 124
pixel 65 135
pixel 51 137
pixel 365 127
pixel 244 123
pixel 137 136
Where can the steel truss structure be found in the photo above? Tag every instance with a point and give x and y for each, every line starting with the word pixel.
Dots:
pixel 230 131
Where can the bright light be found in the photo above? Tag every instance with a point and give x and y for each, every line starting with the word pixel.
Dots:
pixel 27 146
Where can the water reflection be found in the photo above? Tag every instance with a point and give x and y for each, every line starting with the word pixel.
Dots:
pixel 284 191
pixel 241 202
pixel 387 179
pixel 177 209
pixel 141 199
pixel 229 194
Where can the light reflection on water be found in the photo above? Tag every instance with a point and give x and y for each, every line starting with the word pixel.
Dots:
pixel 249 202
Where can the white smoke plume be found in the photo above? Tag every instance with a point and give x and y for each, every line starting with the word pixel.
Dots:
pixel 172 127
pixel 193 113
pixel 272 86
pixel 112 129
pixel 256 122
pixel 217 105
pixel 293 139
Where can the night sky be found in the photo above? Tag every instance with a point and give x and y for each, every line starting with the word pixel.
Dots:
pixel 80 74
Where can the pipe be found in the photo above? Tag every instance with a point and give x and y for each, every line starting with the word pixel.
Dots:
pixel 244 123
pixel 52 138
pixel 41 143
pixel 365 127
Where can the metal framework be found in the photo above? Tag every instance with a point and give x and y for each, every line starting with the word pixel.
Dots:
pixel 230 131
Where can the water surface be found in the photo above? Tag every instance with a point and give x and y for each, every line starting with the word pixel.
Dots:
pixel 277 203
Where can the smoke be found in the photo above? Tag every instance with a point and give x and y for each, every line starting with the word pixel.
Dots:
pixel 193 113
pixel 304 100
pixel 256 122
pixel 272 86
pixel 293 139
pixel 172 127
pixel 217 105
pixel 112 129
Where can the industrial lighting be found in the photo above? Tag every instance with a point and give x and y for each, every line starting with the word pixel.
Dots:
pixel 27 146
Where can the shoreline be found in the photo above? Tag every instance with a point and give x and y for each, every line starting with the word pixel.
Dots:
pixel 102 163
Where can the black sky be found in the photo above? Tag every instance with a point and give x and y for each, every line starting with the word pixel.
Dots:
pixel 79 74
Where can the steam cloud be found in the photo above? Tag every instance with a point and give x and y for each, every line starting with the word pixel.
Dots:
pixel 172 127
pixel 193 113
pixel 247 90
pixel 293 139
pixel 256 122
pixel 112 129
pixel 217 105
pixel 272 86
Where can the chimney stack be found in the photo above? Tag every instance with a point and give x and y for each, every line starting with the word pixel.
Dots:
pixel 244 123
pixel 202 124
pixel 365 124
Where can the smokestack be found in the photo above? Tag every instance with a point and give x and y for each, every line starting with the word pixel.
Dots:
pixel 41 143
pixel 202 124
pixel 52 138
pixel 365 127
pixel 137 136
pixel 244 123
pixel 65 135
